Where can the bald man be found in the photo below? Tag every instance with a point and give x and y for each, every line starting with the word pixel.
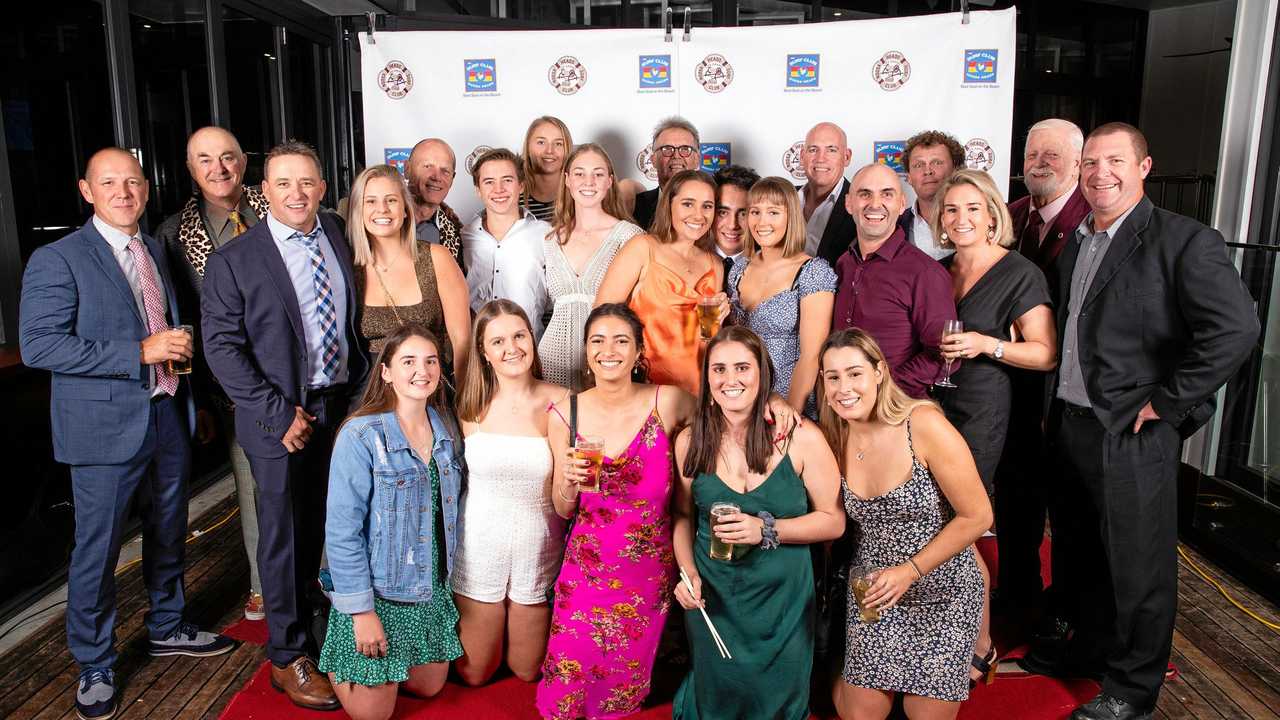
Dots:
pixel 97 311
pixel 889 287
pixel 828 227
pixel 430 171
pixel 221 208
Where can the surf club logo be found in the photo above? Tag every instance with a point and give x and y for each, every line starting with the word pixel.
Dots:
pixel 714 73
pixel 791 160
pixel 567 75
pixel 891 71
pixel 980 66
pixel 655 72
pixel 978 155
pixel 395 80
pixel 802 71
pixel 890 153
pixel 397 158
pixel 644 163
pixel 481 75
pixel 714 156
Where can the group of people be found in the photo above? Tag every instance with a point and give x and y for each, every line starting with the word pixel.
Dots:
pixel 519 439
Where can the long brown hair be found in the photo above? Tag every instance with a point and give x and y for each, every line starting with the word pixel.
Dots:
pixel 526 157
pixel 481 383
pixel 892 405
pixel 380 397
pixel 639 371
pixel 661 228
pixel 709 424
pixel 566 215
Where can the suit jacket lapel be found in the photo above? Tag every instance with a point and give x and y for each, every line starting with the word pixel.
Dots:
pixel 101 252
pixel 279 274
pixel 1127 240
pixel 835 236
pixel 340 248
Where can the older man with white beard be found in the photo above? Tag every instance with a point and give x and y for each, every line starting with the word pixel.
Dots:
pixel 1046 219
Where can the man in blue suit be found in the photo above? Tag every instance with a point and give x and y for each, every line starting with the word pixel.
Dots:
pixel 97 308
pixel 278 322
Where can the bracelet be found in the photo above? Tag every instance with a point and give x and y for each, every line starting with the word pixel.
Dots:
pixel 912 563
pixel 768 532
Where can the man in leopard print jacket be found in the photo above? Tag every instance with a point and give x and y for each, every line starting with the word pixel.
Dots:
pixel 430 172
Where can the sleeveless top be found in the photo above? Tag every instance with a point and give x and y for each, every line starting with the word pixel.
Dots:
pixel 667 305
pixel 377 322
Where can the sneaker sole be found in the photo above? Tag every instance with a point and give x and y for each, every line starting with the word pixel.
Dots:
pixel 254 615
pixel 109 715
pixel 191 653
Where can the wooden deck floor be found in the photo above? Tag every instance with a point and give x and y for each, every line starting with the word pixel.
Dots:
pixel 1229 663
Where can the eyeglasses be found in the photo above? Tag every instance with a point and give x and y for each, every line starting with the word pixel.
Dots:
pixel 935 163
pixel 669 150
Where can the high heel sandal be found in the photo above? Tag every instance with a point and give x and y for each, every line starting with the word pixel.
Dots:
pixel 986 665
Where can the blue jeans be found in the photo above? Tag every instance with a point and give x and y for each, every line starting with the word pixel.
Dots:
pixel 158 474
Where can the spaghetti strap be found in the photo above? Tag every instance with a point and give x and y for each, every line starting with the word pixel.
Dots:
pixel 656 388
pixel 910 446
pixel 551 407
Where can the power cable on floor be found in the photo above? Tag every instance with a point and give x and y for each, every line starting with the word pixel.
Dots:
pixel 1218 586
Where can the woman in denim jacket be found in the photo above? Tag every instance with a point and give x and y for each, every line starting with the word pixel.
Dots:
pixel 393 497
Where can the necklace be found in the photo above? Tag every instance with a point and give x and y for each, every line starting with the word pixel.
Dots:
pixel 391 302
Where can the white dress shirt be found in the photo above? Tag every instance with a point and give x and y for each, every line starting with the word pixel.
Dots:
pixel 817 223
pixel 1050 212
pixel 922 236
pixel 119 243
pixel 513 268
pixel 297 259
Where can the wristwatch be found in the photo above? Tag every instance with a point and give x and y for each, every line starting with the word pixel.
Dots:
pixel 768 533
pixel 998 353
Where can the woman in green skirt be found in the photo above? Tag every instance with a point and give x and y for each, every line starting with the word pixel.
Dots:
pixel 393 496
pixel 751 572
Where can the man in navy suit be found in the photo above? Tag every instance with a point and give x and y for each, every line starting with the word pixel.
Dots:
pixel 97 308
pixel 278 323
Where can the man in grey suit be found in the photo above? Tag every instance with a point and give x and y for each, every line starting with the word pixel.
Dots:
pixel 97 311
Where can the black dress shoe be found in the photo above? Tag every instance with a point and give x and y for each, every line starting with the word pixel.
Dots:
pixel 1055 661
pixel 1107 707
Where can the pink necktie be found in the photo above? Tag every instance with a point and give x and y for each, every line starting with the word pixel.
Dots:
pixel 153 301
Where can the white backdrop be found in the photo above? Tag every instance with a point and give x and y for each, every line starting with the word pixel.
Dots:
pixel 751 92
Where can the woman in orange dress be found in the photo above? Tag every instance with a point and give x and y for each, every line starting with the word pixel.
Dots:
pixel 662 277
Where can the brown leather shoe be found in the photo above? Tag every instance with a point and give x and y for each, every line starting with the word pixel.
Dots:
pixel 305 685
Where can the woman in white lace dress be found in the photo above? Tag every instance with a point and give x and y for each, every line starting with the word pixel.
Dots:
pixel 510 539
pixel 587 231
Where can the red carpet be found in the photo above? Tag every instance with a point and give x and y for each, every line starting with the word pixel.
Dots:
pixel 1025 697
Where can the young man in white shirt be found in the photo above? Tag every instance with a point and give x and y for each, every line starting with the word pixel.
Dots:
pixel 503 243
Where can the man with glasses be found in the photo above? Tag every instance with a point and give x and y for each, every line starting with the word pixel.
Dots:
pixel 828 226
pixel 675 148
pixel 930 156
pixel 430 172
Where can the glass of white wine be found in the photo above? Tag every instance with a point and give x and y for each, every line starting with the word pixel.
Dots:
pixel 950 327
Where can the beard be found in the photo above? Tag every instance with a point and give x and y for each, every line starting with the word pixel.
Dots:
pixel 1042 187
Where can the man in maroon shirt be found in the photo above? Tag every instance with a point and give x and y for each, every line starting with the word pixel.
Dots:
pixel 889 287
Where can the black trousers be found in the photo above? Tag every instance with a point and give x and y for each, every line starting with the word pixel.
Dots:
pixel 1118 502
pixel 292 491
pixel 1020 494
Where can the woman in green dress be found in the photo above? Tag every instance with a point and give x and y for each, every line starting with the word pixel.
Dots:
pixel 389 532
pixel 786 492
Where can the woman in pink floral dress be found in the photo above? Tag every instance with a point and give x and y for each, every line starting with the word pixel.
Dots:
pixel 613 592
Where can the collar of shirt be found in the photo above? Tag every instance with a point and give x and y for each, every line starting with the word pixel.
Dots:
pixel 220 216
pixel 1086 225
pixel 281 232
pixel 117 239
pixel 722 254
pixel 1049 212
pixel 525 218
pixel 831 196
pixel 887 251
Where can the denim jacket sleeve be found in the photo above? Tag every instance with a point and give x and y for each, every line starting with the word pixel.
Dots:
pixel 346 541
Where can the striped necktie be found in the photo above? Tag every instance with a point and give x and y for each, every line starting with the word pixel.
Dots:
pixel 153 302
pixel 325 309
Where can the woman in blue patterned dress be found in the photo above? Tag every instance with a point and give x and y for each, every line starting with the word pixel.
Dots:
pixel 781 293
pixel 913 491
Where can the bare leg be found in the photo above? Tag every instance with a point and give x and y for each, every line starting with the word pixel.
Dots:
pixel 983 645
pixel 859 703
pixel 366 703
pixel 923 708
pixel 527 630
pixel 480 628
pixel 427 680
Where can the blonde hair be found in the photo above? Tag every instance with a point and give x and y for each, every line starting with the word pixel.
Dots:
pixel 778 191
pixel 983 183
pixel 565 216
pixel 661 229
pixel 481 383
pixel 892 406
pixel 359 239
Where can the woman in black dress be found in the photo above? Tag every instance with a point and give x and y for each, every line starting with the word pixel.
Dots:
pixel 1003 300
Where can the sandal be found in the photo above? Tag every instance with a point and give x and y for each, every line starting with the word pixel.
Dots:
pixel 986 665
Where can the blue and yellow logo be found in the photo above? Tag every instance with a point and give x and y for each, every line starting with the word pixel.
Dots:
pixel 481 75
pixel 980 66
pixel 714 156
pixel 655 71
pixel 890 153
pixel 397 157
pixel 802 70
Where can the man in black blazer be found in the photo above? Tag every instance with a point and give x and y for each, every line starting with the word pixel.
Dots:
pixel 828 226
pixel 1152 319
pixel 279 330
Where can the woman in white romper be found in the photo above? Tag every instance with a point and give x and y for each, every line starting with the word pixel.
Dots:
pixel 510 539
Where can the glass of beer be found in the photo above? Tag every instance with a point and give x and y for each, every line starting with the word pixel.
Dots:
pixel 708 316
pixel 860 579
pixel 182 367
pixel 721 550
pixel 590 448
